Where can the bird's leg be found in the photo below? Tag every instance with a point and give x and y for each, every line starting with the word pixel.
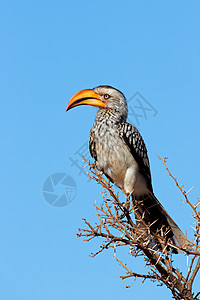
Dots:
pixel 127 203
pixel 126 207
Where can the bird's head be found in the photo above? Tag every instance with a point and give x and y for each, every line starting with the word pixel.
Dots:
pixel 103 97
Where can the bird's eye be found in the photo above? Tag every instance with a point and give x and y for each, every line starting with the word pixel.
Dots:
pixel 106 96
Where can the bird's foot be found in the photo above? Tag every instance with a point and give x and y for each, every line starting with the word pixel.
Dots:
pixel 95 166
pixel 125 207
pixel 92 166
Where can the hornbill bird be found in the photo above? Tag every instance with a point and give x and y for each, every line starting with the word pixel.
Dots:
pixel 120 153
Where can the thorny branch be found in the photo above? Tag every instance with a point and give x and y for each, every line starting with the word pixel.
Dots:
pixel 120 225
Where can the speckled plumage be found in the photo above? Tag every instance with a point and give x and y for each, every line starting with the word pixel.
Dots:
pixel 117 146
pixel 120 152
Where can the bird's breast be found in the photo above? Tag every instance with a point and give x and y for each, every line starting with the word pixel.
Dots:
pixel 114 158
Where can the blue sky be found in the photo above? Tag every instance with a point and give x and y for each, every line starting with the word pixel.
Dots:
pixel 50 50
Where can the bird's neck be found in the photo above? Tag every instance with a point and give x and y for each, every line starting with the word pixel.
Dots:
pixel 111 116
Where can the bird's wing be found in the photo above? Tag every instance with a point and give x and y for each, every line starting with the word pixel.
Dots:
pixel 132 138
pixel 92 145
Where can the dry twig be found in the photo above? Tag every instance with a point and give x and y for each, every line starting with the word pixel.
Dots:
pixel 117 227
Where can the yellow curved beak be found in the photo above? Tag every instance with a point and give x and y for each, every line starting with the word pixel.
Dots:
pixel 85 97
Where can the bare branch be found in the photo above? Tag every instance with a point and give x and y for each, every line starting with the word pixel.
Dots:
pixel 120 225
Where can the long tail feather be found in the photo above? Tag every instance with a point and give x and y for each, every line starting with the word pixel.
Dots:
pixel 154 214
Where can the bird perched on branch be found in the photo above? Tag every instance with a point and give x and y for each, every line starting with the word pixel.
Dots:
pixel 120 153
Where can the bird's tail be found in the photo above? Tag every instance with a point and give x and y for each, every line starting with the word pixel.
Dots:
pixel 159 221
